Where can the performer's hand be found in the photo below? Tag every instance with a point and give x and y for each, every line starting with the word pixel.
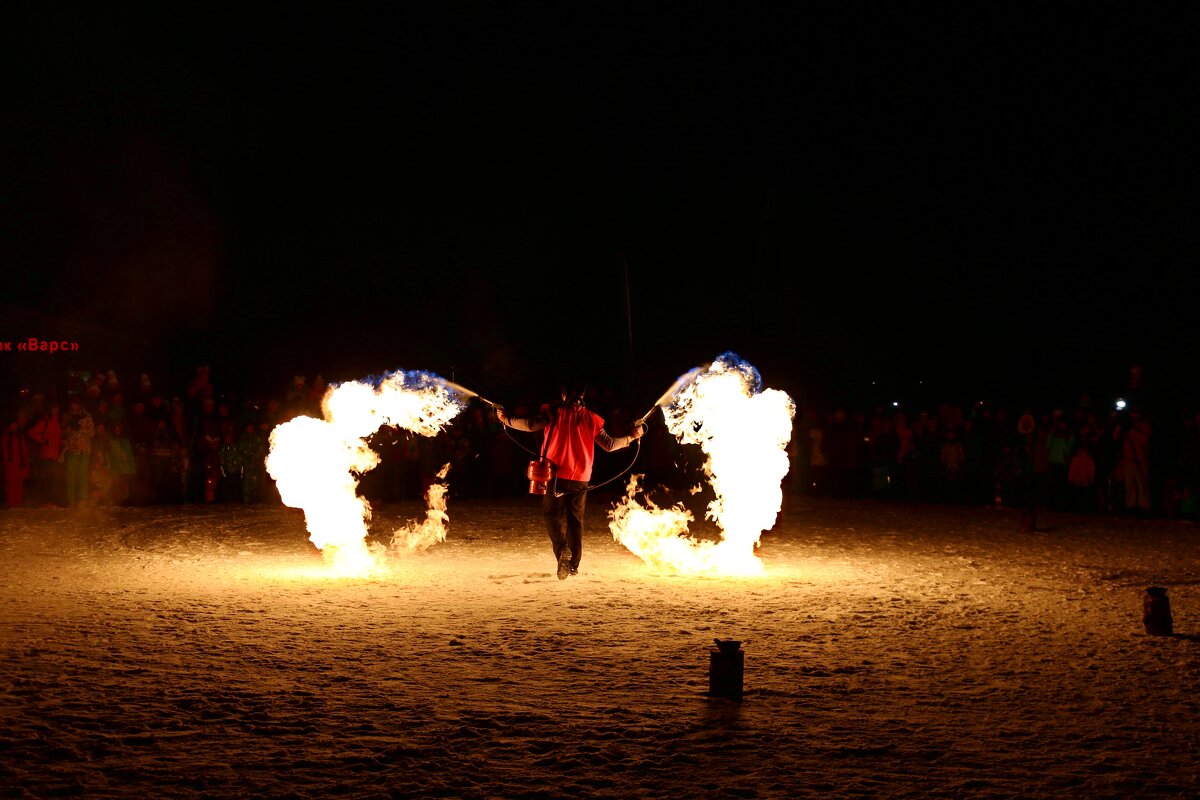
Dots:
pixel 501 416
pixel 638 432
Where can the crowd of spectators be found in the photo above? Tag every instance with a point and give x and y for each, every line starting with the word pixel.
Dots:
pixel 96 441
pixel 1084 458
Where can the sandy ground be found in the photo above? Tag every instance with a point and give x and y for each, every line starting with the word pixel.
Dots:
pixel 892 651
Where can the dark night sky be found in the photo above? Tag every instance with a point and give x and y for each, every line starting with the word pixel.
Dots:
pixel 999 200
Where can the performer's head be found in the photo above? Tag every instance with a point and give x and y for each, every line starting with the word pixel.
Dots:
pixel 574 392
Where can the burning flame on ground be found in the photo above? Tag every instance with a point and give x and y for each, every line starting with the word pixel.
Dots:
pixel 316 463
pixel 417 536
pixel 744 431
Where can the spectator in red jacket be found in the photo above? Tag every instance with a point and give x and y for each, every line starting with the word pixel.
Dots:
pixel 46 437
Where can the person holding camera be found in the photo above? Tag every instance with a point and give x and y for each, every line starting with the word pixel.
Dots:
pixel 1132 433
pixel 571 433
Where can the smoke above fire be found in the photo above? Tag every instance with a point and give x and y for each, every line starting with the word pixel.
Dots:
pixel 743 430
pixel 316 464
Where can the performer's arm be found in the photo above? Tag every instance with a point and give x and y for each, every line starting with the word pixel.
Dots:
pixel 529 425
pixel 610 443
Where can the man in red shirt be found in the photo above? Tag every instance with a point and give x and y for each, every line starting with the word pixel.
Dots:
pixel 571 434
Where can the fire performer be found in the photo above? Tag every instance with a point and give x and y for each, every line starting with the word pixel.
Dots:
pixel 568 444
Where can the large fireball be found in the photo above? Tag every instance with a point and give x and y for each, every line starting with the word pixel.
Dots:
pixel 316 462
pixel 743 431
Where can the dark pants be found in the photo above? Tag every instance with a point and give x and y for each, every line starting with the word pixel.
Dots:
pixel 1059 488
pixel 49 482
pixel 565 509
pixel 77 478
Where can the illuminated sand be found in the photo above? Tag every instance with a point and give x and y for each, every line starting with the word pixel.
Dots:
pixel 891 652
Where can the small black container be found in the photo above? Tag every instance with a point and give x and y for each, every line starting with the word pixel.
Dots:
pixel 1156 612
pixel 726 666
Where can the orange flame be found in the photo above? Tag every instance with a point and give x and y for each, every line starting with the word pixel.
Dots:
pixel 744 432
pixel 417 536
pixel 316 462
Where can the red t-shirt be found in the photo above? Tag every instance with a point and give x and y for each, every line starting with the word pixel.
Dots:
pixel 570 443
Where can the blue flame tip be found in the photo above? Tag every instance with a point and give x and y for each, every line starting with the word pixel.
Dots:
pixel 732 361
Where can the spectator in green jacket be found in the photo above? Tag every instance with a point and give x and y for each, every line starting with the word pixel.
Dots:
pixel 121 465
pixel 252 446
pixel 78 432
pixel 1060 442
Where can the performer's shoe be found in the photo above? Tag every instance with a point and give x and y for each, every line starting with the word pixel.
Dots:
pixel 564 563
pixel 574 570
